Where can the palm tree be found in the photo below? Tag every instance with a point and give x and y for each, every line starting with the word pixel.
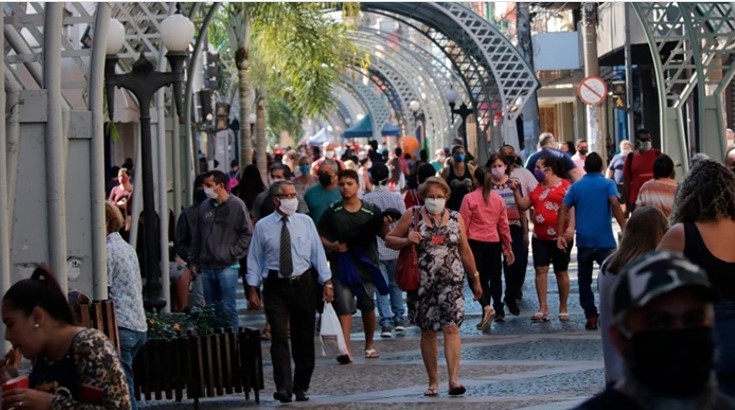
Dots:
pixel 281 49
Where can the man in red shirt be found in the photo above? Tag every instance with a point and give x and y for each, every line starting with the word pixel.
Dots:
pixel 638 168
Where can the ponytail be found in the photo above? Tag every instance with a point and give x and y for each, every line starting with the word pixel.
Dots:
pixel 40 290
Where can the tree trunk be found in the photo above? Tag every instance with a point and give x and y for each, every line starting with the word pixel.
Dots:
pixel 261 158
pixel 243 76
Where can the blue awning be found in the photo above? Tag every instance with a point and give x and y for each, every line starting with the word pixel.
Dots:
pixel 364 129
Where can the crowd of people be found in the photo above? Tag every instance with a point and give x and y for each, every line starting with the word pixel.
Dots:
pixel 326 225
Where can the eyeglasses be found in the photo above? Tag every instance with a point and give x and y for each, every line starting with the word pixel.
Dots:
pixel 287 196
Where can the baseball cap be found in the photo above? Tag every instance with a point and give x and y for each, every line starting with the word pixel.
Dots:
pixel 655 274
pixel 379 172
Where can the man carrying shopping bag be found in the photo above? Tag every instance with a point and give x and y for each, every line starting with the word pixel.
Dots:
pixel 285 245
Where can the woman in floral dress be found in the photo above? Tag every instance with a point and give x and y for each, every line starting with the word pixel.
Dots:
pixel 444 256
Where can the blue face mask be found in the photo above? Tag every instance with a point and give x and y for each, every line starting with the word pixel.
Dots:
pixel 459 157
pixel 305 169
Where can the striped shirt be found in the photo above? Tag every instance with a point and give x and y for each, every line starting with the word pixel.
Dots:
pixel 658 193
pixel 384 199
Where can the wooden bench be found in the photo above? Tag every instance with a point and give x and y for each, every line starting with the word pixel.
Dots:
pixel 98 314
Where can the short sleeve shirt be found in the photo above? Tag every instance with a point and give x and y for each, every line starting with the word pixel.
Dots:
pixel 565 159
pixel 616 166
pixel 638 169
pixel 506 192
pixel 590 197
pixel 546 202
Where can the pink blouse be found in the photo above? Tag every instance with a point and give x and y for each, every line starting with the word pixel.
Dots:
pixel 486 222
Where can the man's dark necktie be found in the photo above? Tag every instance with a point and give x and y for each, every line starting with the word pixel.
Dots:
pixel 285 261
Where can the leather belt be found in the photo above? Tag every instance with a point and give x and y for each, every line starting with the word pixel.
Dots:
pixel 292 280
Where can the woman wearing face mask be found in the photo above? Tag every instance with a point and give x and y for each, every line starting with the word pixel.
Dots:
pixel 703 229
pixel 304 179
pixel 515 272
pixel 458 176
pixel 489 237
pixel 444 255
pixel 546 200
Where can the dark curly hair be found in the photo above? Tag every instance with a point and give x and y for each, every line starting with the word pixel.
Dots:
pixel 706 194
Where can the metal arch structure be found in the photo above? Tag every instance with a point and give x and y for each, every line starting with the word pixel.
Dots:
pixel 442 76
pixel 372 101
pixel 699 36
pixel 428 88
pixel 492 68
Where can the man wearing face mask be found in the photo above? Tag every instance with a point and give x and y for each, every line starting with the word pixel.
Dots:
pixel 319 197
pixel 329 153
pixel 289 287
pixel 578 158
pixel 638 168
pixel 220 240
pixel 547 147
pixel 662 305
pixel 263 203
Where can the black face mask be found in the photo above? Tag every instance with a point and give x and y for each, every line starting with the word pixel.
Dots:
pixel 325 179
pixel 674 363
pixel 582 151
pixel 199 196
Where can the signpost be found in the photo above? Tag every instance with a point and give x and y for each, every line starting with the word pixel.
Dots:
pixel 592 90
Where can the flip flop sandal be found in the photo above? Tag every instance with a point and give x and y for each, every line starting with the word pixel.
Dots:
pixel 540 316
pixel 457 390
pixel 266 335
pixel 371 354
pixel 431 392
pixel 564 317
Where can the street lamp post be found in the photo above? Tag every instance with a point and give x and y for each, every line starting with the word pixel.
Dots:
pixel 143 81
pixel 463 111
pixel 415 106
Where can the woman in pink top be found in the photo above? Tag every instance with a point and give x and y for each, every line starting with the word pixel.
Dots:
pixel 487 227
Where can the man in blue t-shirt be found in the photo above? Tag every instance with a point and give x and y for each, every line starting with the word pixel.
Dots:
pixel 547 142
pixel 595 201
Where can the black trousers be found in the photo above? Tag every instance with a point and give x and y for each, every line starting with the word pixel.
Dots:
pixel 291 300
pixel 488 258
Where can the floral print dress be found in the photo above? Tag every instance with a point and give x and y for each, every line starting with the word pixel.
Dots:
pixel 439 300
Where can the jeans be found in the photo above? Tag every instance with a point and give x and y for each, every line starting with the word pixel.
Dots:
pixel 220 288
pixel 585 259
pixel 724 336
pixel 515 274
pixel 130 343
pixel 390 306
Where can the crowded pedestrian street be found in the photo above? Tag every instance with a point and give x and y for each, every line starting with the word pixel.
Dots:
pixel 518 364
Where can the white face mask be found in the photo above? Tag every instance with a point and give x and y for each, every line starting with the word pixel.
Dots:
pixel 498 172
pixel 288 206
pixel 435 205
pixel 645 145
pixel 329 154
pixel 210 193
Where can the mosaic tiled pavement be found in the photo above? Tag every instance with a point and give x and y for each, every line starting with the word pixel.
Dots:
pixel 518 364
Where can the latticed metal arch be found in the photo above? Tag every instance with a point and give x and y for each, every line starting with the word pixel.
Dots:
pixel 420 65
pixel 372 101
pixel 689 43
pixel 491 66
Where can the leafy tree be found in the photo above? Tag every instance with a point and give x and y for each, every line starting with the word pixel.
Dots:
pixel 292 52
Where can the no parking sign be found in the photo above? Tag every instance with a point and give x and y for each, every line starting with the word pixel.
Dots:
pixel 592 90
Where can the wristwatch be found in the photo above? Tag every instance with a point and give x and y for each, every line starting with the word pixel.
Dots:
pixel 476 274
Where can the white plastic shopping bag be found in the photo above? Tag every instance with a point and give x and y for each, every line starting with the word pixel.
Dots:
pixel 333 341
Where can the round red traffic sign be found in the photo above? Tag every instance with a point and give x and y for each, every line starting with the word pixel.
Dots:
pixel 592 90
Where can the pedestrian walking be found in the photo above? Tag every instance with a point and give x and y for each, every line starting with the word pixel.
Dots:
pixel 488 235
pixel 284 247
pixel 438 304
pixel 595 202
pixel 703 229
pixel 546 200
pixel 348 229
pixel 221 239
pixel 390 307
pixel 643 233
